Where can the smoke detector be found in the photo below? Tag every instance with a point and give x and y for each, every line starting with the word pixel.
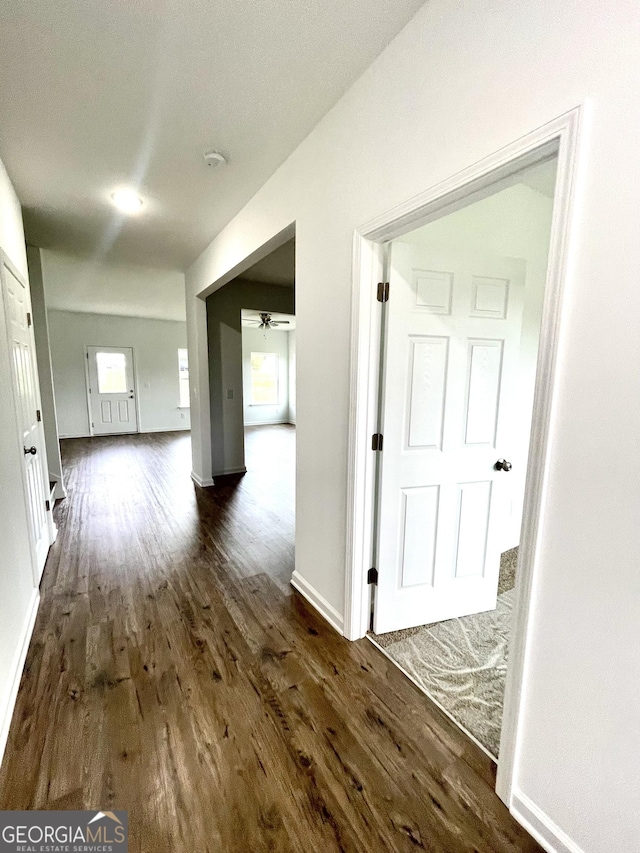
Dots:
pixel 214 158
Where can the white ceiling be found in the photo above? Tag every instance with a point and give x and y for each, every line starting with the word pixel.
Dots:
pixel 249 317
pixel 94 94
pixel 128 290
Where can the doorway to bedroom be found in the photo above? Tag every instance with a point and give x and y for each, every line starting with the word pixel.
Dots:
pixel 460 339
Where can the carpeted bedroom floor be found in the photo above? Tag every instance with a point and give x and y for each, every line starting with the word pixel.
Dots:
pixel 462 663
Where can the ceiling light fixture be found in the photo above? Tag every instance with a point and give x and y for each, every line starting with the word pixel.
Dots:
pixel 127 200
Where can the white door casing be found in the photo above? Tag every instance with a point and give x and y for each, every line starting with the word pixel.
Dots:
pixel 26 391
pixel 452 349
pixel 567 135
pixel 112 390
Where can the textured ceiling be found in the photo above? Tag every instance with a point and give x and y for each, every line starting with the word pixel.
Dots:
pixel 94 94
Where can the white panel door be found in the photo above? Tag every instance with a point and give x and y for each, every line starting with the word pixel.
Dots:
pixel 112 394
pixel 24 374
pixel 452 349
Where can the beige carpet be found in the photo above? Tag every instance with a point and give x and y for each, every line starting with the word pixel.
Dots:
pixel 462 662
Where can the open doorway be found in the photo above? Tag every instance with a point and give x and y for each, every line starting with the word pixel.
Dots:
pixel 252 382
pixel 367 588
pixel 461 344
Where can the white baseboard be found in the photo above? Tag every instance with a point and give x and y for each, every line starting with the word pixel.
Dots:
pixel 200 482
pixel 8 702
pixel 540 826
pixel 316 600
pixel 111 434
pixel 185 428
pixel 266 423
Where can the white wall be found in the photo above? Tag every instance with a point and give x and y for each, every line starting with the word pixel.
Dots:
pixel 459 82
pixel 94 286
pixel 254 340
pixel 155 351
pixel 45 373
pixel 513 223
pixel 18 593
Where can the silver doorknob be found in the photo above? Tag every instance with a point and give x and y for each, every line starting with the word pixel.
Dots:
pixel 31 450
pixel 502 465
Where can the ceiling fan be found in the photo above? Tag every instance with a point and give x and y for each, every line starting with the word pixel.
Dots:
pixel 265 322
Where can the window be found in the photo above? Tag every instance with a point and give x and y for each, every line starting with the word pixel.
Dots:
pixel 264 378
pixel 112 372
pixel 183 377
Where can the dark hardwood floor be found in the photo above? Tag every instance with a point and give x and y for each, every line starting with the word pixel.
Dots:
pixel 173 674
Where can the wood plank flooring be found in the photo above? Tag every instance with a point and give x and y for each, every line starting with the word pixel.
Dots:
pixel 172 673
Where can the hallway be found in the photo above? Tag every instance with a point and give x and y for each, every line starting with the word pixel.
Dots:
pixel 173 673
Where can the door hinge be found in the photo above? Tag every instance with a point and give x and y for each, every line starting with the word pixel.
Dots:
pixel 28 318
pixel 376 441
pixel 383 291
pixel 372 576
pixel 38 415
pixel 48 505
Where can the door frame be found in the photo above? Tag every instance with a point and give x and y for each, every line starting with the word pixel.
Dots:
pixel 564 134
pixel 87 381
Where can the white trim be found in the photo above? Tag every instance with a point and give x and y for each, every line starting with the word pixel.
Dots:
pixel 267 423
pixel 563 132
pixel 17 667
pixel 540 826
pixel 317 601
pixel 203 483
pixel 568 130
pixel 226 471
pixel 364 364
pixel 58 490
pixel 156 429
pixel 53 528
pixel 432 698
pixel 200 482
pixel 112 434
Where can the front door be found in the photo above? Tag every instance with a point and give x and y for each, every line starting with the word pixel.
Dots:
pixel 26 390
pixel 112 394
pixel 452 343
